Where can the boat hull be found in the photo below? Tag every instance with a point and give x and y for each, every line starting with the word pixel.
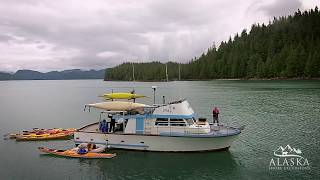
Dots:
pixel 156 142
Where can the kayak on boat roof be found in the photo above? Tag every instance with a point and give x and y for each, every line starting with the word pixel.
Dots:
pixel 110 96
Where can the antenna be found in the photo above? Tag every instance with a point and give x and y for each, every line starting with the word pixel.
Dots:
pixel 154 94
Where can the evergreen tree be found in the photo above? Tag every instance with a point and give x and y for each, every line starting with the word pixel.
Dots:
pixel 286 47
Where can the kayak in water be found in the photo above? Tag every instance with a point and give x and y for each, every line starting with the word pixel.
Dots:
pixel 74 154
pixel 43 136
pixel 37 131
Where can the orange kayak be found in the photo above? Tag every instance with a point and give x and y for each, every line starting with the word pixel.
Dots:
pixel 73 154
pixel 45 136
pixel 42 132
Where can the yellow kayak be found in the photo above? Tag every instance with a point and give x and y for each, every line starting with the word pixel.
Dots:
pixel 73 154
pixel 41 132
pixel 45 136
pixel 122 96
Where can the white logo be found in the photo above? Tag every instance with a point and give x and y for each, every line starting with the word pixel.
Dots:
pixel 287 152
pixel 288 158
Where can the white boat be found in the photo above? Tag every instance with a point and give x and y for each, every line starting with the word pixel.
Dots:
pixel 171 127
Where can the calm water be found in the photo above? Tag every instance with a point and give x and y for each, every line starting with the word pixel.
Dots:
pixel 276 113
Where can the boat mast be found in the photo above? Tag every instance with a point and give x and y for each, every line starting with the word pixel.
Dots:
pixel 167 72
pixel 133 72
pixel 179 73
pixel 133 91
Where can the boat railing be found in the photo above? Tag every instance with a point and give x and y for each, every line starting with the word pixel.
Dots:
pixel 186 131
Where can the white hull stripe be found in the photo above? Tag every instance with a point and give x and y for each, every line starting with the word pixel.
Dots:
pixel 129 145
pixel 210 135
pixel 111 144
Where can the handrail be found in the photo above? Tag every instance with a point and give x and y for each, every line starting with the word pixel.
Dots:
pixel 151 128
pixel 186 130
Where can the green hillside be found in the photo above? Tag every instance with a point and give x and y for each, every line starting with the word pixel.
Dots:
pixel 288 47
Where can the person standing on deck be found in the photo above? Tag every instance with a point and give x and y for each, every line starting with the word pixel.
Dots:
pixel 103 126
pixel 133 92
pixel 215 114
pixel 112 123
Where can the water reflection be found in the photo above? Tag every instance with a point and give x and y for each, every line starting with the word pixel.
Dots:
pixel 149 165
pixel 273 117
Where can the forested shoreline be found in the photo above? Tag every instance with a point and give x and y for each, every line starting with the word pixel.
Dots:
pixel 288 47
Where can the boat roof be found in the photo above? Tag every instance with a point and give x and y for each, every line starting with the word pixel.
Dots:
pixel 180 108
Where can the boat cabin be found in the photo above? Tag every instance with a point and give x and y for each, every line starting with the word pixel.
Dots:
pixel 151 128
pixel 174 118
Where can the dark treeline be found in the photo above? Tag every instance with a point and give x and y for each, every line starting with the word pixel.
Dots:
pixel 151 71
pixel 287 47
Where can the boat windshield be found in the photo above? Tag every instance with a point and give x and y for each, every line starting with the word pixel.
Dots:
pixel 177 122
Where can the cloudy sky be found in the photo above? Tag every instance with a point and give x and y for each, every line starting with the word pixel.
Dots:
pixel 50 35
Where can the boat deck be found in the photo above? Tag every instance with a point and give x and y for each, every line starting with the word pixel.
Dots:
pixel 215 131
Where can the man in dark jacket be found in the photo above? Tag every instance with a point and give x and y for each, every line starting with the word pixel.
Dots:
pixel 112 123
pixel 215 114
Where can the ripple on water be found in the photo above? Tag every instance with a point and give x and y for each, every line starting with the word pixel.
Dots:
pixel 275 113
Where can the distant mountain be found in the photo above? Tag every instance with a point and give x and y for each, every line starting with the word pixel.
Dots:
pixel 5 76
pixel 28 74
pixel 53 75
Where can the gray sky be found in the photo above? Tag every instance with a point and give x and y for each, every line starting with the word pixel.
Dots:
pixel 50 35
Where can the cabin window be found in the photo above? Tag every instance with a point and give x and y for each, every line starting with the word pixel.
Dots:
pixel 177 122
pixel 190 121
pixel 161 122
